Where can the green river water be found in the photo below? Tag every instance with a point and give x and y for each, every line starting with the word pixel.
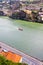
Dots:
pixel 29 41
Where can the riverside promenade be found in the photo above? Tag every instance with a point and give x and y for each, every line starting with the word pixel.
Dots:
pixel 25 58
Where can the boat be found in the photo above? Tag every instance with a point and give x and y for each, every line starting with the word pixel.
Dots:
pixel 25 58
pixel 21 29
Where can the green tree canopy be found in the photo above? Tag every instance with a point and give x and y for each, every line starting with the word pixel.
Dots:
pixel 4 61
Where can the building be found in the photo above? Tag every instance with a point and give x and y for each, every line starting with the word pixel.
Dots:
pixel 9 51
pixel 0 0
pixel 42 1
pixel 11 56
pixel 20 0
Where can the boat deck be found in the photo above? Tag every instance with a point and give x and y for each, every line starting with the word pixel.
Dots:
pixel 25 58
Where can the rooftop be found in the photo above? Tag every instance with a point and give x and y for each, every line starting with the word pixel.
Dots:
pixel 11 56
pixel 9 52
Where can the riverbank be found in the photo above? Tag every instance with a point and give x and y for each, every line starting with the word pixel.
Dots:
pixel 25 58
pixel 25 23
pixel 26 15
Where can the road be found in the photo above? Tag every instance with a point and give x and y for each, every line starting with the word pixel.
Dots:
pixel 25 58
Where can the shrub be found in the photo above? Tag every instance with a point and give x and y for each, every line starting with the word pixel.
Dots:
pixel 4 61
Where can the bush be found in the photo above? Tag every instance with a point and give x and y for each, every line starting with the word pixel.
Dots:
pixel 15 15
pixel 4 61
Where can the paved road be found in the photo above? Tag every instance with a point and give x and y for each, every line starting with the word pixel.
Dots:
pixel 27 59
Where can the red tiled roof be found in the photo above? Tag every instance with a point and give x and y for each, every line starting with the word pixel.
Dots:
pixel 11 56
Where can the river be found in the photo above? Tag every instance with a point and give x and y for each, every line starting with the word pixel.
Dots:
pixel 29 41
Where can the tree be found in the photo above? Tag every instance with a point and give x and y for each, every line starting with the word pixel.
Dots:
pixel 4 61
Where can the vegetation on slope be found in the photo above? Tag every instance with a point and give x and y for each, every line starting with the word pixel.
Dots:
pixel 4 61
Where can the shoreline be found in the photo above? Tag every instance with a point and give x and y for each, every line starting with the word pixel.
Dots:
pixel 26 58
